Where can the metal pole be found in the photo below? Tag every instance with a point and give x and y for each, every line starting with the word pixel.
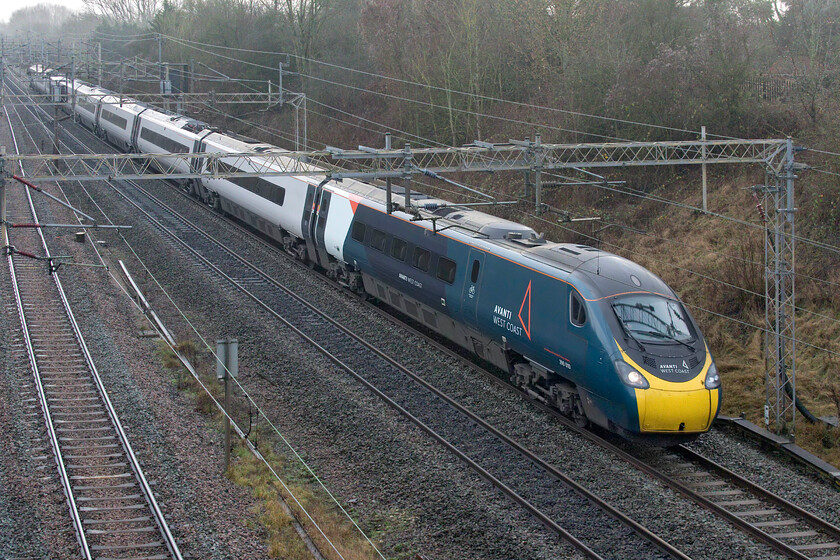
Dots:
pixel 4 233
pixel 703 138
pixel 537 176
pixel 407 182
pixel 164 85
pixel 55 125
pixel 388 179
pixel 280 82
pixel 73 83
pixel 99 62
pixel 227 404
pixel 790 306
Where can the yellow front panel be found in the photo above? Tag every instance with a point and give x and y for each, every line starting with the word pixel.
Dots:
pixel 664 411
pixel 667 404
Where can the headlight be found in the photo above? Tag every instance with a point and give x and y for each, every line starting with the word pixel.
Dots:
pixel 712 377
pixel 630 376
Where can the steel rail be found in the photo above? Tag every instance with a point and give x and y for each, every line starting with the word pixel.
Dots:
pixel 482 472
pixel 643 466
pixel 42 398
pixel 664 546
pixel 157 514
pixel 791 508
pixel 309 543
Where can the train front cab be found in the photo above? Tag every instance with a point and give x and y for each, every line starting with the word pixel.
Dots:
pixel 648 386
pixel 672 408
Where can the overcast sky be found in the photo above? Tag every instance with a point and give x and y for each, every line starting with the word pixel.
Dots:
pixel 10 6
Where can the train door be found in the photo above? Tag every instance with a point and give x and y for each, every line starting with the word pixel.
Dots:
pixel 97 114
pixel 193 186
pixel 472 284
pixel 320 226
pixel 135 131
pixel 310 210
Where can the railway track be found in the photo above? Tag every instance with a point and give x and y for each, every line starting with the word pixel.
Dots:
pixel 579 517
pixel 787 529
pixel 112 507
pixel 766 517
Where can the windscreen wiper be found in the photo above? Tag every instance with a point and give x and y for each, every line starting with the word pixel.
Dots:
pixel 669 337
pixel 627 334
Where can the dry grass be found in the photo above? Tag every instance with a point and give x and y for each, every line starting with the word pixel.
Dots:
pixel 282 540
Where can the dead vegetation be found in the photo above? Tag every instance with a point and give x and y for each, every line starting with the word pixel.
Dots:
pixel 307 501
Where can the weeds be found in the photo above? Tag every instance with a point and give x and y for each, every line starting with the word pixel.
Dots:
pixel 246 470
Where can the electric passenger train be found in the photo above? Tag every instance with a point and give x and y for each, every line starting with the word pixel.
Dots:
pixel 594 334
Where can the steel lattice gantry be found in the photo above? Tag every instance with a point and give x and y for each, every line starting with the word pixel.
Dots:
pixel 775 155
pixel 375 164
pixel 780 295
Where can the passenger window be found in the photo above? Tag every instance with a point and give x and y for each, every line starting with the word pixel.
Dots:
pixel 577 311
pixel 446 270
pixel 421 259
pixel 378 239
pixel 359 232
pixel 474 274
pixel 399 249
pixel 324 210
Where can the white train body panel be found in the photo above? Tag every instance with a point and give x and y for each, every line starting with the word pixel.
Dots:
pixel 287 215
pixel 278 200
pixel 117 121
pixel 339 221
pixel 87 104
pixel 161 133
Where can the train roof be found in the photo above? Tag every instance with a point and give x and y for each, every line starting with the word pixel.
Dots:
pixel 241 144
pixel 608 273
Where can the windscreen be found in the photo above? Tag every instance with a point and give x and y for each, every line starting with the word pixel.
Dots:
pixel 651 318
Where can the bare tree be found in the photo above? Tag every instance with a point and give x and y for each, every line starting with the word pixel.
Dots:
pixel 39 20
pixel 124 11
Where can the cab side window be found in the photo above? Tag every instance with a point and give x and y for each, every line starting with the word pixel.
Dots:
pixel 577 311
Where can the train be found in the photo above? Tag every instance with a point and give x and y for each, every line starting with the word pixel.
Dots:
pixel 597 336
